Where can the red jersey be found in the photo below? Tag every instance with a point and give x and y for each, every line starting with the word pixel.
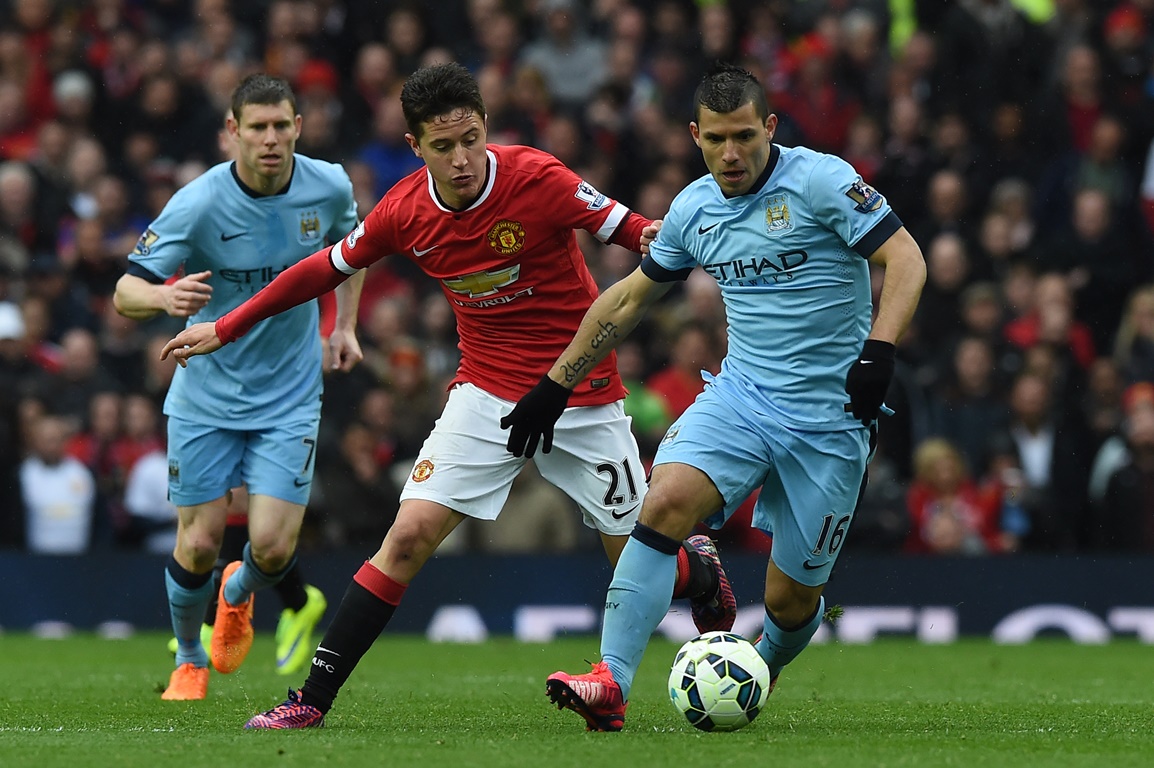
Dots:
pixel 509 265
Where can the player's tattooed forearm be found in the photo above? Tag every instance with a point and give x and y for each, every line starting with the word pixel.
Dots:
pixel 574 370
pixel 606 331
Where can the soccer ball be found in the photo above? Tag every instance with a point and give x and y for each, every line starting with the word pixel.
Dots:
pixel 719 681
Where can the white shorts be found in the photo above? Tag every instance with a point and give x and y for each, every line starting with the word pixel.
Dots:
pixel 465 466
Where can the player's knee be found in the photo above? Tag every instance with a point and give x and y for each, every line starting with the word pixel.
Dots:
pixel 273 555
pixel 668 516
pixel 409 542
pixel 198 548
pixel 679 497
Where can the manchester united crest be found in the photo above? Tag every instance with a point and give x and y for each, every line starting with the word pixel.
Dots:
pixel 507 237
pixel 423 471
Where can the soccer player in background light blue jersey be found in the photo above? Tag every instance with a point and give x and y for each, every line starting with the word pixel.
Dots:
pixel 787 234
pixel 250 414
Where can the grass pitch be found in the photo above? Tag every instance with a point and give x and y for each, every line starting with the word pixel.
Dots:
pixel 86 701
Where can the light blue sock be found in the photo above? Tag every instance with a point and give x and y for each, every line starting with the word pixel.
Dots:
pixel 779 647
pixel 249 578
pixel 637 601
pixel 187 606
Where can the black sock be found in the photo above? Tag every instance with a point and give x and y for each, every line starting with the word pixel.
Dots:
pixel 703 583
pixel 291 588
pixel 360 619
pixel 232 543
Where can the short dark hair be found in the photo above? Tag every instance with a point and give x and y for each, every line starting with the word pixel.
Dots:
pixel 262 89
pixel 438 90
pixel 727 87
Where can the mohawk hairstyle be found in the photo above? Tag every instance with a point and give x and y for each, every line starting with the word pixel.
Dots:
pixel 438 90
pixel 727 87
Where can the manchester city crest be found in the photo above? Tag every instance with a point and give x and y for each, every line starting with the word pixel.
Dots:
pixel 777 214
pixel 310 231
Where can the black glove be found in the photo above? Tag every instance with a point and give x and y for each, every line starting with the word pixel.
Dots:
pixel 533 417
pixel 869 378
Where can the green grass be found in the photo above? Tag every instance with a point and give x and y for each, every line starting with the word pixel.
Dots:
pixel 86 701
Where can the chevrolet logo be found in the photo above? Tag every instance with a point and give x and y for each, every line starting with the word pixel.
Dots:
pixel 481 284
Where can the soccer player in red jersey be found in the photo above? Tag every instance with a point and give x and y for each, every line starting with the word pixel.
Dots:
pixel 494 225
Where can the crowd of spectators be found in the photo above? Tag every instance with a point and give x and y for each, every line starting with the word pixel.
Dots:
pixel 1013 138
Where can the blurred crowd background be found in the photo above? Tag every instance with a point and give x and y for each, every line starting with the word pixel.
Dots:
pixel 1013 138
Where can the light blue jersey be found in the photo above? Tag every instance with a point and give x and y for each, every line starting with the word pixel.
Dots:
pixel 273 374
pixel 790 257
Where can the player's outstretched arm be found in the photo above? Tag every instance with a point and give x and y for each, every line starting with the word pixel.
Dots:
pixel 303 281
pixel 138 299
pixel 199 339
pixel 606 324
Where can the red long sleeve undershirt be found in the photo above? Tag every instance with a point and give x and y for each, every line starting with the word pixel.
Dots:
pixel 315 276
pixel 305 280
pixel 628 235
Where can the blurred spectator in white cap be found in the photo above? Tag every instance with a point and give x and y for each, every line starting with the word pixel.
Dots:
pixel 75 97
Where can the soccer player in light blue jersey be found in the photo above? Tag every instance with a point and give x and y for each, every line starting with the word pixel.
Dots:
pixel 250 415
pixel 788 234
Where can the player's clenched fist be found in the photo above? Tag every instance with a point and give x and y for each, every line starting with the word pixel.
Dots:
pixel 649 234
pixel 869 378
pixel 188 295
pixel 199 339
pixel 532 419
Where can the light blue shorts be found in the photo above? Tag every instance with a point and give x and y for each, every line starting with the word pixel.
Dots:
pixel 205 462
pixel 810 481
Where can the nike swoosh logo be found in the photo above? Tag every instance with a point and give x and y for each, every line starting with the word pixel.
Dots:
pixel 703 230
pixel 300 483
pixel 865 362
pixel 812 566
pixel 225 238
pixel 282 660
pixel 419 253
pixel 624 514
pixel 326 650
